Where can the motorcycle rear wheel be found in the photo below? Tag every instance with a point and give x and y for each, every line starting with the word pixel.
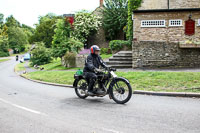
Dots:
pixel 80 88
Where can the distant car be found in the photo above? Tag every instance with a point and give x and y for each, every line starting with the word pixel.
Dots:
pixel 27 56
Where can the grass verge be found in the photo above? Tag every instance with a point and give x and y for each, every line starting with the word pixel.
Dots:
pixel 20 67
pixel 148 81
pixel 2 60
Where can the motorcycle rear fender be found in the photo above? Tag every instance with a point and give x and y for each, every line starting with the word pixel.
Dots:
pixel 77 78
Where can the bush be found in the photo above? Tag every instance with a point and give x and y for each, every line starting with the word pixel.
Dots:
pixel 105 51
pixel 69 60
pixel 4 54
pixel 119 44
pixel 75 45
pixel 40 55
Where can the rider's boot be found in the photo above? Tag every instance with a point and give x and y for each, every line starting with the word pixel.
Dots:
pixel 90 88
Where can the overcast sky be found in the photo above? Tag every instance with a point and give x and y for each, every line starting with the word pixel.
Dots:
pixel 28 11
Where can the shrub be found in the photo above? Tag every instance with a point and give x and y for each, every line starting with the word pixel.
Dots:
pixel 119 44
pixel 40 55
pixel 75 45
pixel 4 54
pixel 105 51
pixel 69 60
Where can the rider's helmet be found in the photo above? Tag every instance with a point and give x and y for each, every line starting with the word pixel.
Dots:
pixel 94 48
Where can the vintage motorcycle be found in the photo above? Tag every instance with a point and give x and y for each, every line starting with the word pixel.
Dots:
pixel 118 88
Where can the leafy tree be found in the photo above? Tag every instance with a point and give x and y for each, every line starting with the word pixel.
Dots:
pixel 61 37
pixel 85 25
pixel 29 31
pixel 40 55
pixel 45 30
pixel 1 20
pixel 115 14
pixel 17 38
pixel 3 42
pixel 132 5
pixel 12 22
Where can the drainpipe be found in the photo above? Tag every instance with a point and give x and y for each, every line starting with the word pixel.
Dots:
pixel 168 4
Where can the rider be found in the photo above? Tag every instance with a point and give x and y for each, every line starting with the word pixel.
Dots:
pixel 92 64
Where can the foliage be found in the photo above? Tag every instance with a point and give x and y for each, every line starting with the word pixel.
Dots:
pixel 17 38
pixel 119 44
pixel 85 25
pixel 4 42
pixel 29 31
pixel 40 55
pixel 12 22
pixel 69 60
pixel 132 5
pixel 1 20
pixel 105 51
pixel 75 45
pixel 61 37
pixel 45 30
pixel 114 17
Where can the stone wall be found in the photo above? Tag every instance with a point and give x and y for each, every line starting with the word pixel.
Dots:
pixel 173 4
pixel 168 34
pixel 150 54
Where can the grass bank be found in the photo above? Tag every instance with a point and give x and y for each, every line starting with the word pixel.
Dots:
pixel 2 60
pixel 20 67
pixel 148 81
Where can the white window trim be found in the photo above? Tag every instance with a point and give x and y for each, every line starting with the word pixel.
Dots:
pixel 198 21
pixel 175 25
pixel 152 26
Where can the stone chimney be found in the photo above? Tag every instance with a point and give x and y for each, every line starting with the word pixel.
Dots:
pixel 101 3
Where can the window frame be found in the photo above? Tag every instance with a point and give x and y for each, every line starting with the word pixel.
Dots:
pixel 181 23
pixel 151 22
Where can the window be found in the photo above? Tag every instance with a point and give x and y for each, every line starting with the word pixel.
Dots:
pixel 153 23
pixel 176 22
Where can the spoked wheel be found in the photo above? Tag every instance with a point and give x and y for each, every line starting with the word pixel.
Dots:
pixel 121 91
pixel 80 88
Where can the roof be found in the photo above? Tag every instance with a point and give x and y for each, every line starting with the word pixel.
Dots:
pixel 167 10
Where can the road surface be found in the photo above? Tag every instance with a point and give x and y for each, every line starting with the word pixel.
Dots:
pixel 29 107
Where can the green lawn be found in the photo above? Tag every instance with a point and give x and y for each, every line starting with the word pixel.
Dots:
pixel 149 81
pixel 105 56
pixel 2 60
pixel 56 65
pixel 20 67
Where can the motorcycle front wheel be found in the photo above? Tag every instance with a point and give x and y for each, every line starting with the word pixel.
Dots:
pixel 80 88
pixel 121 91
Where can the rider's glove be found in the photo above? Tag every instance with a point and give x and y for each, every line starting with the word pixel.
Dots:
pixel 96 70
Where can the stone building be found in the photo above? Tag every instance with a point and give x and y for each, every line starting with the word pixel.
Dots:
pixel 167 34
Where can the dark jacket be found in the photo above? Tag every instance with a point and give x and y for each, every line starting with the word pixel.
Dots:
pixel 93 61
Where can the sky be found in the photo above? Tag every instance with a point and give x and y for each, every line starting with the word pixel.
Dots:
pixel 28 11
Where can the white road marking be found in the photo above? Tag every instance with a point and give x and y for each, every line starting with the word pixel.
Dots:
pixel 111 130
pixel 23 108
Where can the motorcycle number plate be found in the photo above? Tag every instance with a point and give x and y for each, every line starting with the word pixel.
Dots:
pixel 113 74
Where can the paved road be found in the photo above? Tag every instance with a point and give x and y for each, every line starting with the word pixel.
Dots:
pixel 28 107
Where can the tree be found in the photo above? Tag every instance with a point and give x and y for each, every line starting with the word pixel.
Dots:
pixel 17 38
pixel 45 30
pixel 85 25
pixel 1 20
pixel 40 55
pixel 12 22
pixel 132 5
pixel 4 42
pixel 61 37
pixel 29 31
pixel 115 14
